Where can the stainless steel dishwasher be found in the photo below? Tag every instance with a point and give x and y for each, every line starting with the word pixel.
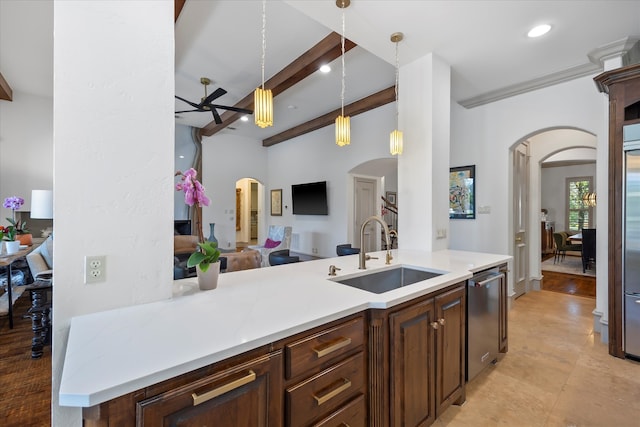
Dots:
pixel 483 320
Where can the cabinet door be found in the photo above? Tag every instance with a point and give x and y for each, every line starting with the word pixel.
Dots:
pixel 412 365
pixel 450 348
pixel 249 394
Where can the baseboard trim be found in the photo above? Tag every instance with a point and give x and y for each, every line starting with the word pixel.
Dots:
pixel 597 317
pixel 604 331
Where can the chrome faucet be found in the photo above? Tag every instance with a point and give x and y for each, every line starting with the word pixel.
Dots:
pixel 363 256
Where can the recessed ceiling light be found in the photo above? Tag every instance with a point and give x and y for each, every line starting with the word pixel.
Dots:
pixel 181 156
pixel 539 30
pixel 325 68
pixel 244 118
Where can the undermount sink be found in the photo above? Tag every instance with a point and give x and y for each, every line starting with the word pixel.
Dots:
pixel 389 279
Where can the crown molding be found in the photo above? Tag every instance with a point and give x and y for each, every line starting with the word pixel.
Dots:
pixel 531 85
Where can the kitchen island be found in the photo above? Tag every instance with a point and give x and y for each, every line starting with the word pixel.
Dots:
pixel 113 353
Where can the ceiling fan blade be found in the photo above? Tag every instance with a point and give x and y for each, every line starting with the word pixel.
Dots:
pixel 188 102
pixel 216 116
pixel 239 110
pixel 216 94
pixel 186 111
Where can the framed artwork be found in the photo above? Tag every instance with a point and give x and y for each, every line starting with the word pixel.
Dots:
pixel 276 202
pixel 462 192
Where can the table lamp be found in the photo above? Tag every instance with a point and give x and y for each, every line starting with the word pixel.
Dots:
pixel 42 204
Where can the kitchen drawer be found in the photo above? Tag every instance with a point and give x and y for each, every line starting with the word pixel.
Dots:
pixel 325 392
pixel 314 351
pixel 353 414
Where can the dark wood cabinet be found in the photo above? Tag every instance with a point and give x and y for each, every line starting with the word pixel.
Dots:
pixel 412 364
pixel 398 367
pixel 546 238
pixel 326 374
pixel 450 309
pixel 623 87
pixel 417 359
pixel 244 395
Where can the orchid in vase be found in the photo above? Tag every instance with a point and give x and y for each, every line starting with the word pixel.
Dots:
pixel 194 195
pixel 17 227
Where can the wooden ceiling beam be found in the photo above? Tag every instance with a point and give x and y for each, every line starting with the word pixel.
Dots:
pixel 376 100
pixel 177 8
pixel 5 90
pixel 306 64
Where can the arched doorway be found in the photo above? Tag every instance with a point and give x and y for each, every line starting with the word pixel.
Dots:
pixel 539 146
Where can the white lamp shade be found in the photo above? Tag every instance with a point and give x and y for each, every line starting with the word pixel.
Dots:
pixel 42 204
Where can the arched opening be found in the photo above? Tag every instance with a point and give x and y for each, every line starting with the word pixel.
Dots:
pixel 563 147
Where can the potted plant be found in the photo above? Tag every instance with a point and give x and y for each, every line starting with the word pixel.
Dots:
pixel 10 233
pixel 206 258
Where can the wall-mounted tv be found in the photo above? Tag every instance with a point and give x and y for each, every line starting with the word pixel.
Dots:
pixel 310 198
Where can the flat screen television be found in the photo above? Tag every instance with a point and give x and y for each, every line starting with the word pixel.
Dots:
pixel 310 198
pixel 182 226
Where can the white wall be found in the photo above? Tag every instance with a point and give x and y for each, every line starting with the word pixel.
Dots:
pixel 316 157
pixel 554 191
pixel 226 158
pixel 26 148
pixel 113 150
pixel 485 135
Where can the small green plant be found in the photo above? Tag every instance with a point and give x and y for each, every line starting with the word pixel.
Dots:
pixel 207 255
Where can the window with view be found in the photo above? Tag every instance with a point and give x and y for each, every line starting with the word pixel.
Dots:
pixel 579 213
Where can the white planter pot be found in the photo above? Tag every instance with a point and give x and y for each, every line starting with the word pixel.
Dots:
pixel 12 247
pixel 208 280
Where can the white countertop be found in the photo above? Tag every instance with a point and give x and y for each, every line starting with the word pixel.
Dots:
pixel 115 352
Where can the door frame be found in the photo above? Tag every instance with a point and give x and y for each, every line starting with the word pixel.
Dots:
pixel 352 229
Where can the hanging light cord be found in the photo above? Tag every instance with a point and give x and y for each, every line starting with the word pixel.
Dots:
pixel 264 38
pixel 397 75
pixel 343 70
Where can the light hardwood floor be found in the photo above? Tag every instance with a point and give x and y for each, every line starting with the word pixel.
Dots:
pixel 556 373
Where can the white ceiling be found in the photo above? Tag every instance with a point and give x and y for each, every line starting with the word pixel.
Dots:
pixel 484 42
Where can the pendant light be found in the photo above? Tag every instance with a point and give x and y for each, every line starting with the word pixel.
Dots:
pixel 395 139
pixel 263 99
pixel 343 124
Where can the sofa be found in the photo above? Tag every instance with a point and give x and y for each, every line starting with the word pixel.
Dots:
pixel 236 261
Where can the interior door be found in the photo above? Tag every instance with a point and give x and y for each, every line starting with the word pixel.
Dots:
pixel 365 206
pixel 520 215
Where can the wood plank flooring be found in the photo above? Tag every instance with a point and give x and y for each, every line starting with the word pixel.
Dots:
pixel 25 383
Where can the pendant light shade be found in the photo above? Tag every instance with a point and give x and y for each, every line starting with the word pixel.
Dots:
pixel 263 98
pixel 395 142
pixel 343 123
pixel 343 130
pixel 395 139
pixel 263 107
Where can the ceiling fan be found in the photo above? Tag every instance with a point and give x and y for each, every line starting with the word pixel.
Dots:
pixel 206 105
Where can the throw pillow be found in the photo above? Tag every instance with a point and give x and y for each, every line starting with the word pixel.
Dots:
pixel 270 244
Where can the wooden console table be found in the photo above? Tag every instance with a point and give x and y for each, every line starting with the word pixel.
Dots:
pixel 40 312
pixel 7 261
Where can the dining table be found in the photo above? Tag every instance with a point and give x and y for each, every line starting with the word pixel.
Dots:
pixel 7 260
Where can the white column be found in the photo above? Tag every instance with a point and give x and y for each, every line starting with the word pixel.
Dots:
pixel 113 150
pixel 423 168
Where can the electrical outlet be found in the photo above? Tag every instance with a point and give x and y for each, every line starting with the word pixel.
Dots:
pixel 95 269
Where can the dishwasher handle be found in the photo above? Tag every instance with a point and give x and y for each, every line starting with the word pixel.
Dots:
pixel 488 280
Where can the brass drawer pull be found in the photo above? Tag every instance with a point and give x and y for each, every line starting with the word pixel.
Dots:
pixel 198 399
pixel 333 347
pixel 333 393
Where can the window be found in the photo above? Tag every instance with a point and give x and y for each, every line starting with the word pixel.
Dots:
pixel 579 214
